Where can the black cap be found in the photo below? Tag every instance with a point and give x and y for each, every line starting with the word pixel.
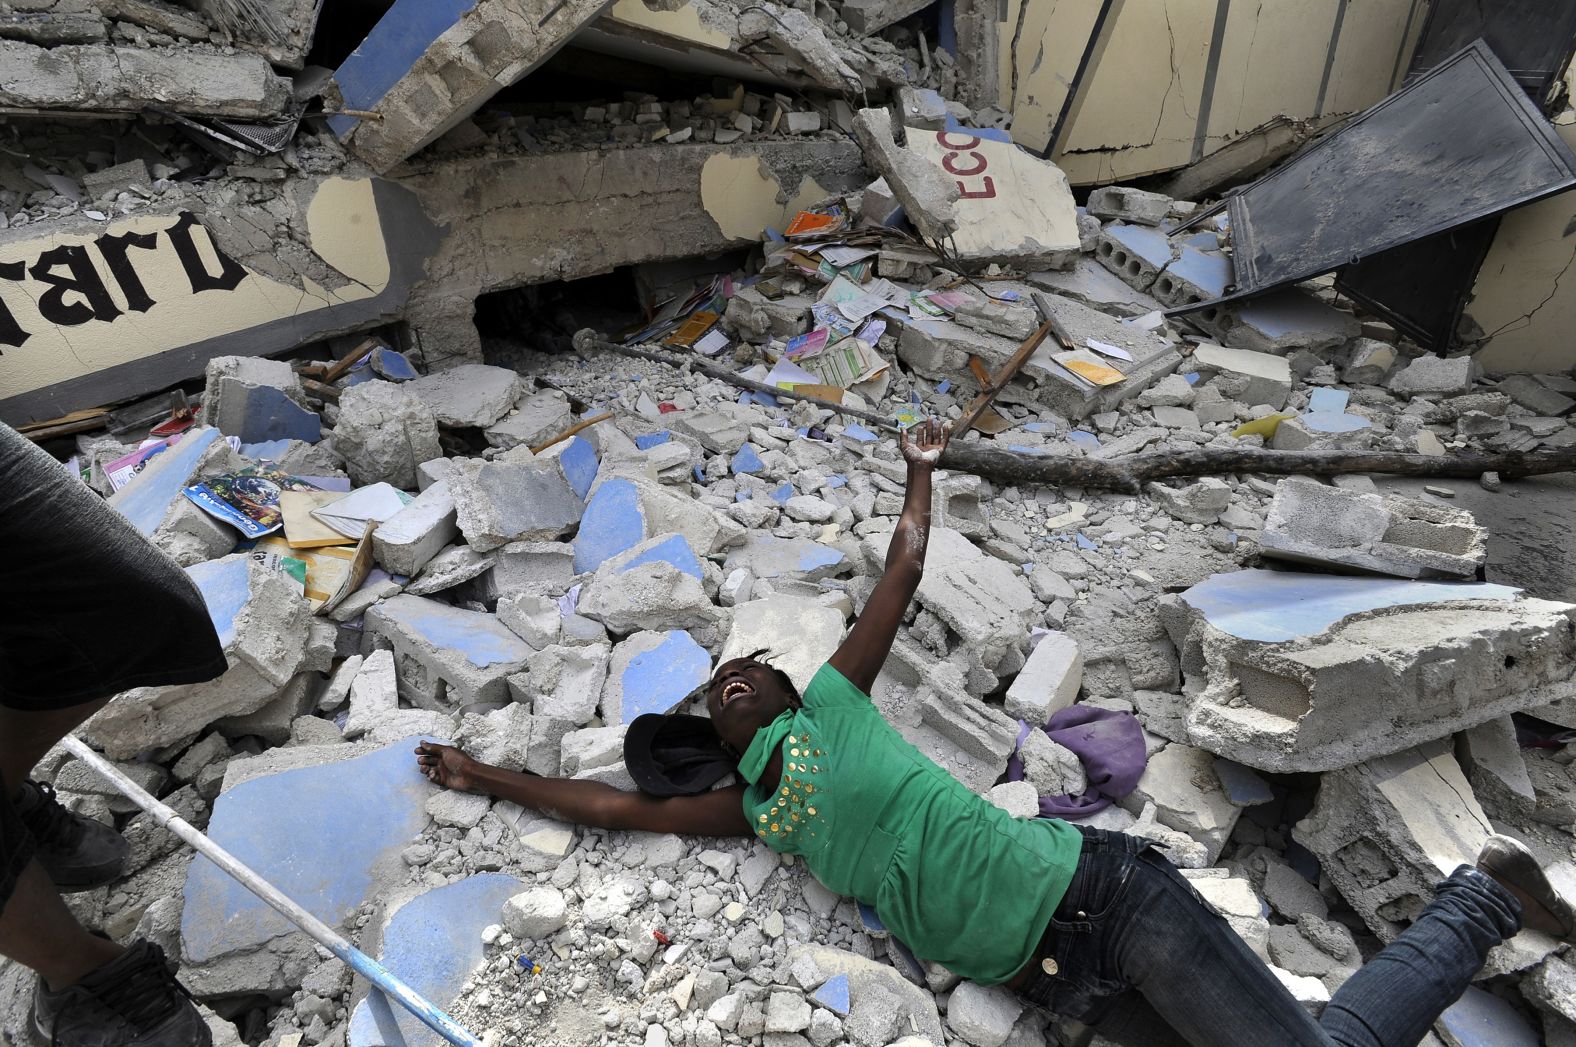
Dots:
pixel 675 754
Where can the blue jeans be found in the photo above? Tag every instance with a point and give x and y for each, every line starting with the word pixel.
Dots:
pixel 1141 957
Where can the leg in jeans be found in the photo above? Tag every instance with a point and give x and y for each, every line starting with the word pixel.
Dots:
pixel 1134 923
pixel 1430 964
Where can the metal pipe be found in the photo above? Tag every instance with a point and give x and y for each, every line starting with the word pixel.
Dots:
pixel 320 932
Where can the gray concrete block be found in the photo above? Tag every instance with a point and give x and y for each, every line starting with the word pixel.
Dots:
pixel 447 656
pixel 1310 522
pixel 1436 376
pixel 1048 682
pixel 1371 682
pixel 404 543
pixel 1387 830
pixel 502 502
pixel 384 432
pixel 470 396
pixel 1125 204
pixel 539 417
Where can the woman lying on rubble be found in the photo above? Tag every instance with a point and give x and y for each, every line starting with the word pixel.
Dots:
pixel 1093 925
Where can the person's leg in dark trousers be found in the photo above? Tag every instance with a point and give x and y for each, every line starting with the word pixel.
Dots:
pixel 1131 922
pixel 91 609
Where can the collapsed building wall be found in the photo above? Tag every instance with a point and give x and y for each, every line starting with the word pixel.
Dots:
pixel 1167 83
pixel 219 273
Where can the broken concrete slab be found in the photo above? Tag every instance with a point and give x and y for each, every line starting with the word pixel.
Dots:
pixel 1436 376
pixel 384 432
pixel 564 682
pixel 798 634
pixel 980 598
pixel 769 557
pixel 614 521
pixel 928 196
pixel 652 672
pixel 1096 286
pixel 501 502
pixel 537 418
pixel 1353 682
pixel 904 1002
pixel 154 504
pixel 422 71
pixel 432 942
pixel 447 656
pixel 1535 396
pixel 1387 830
pixel 533 568
pixel 1287 320
pixel 470 396
pixel 1201 502
pixel 348 810
pixel 1012 207
pixel 406 541
pixel 113 78
pixel 652 594
pixel 1048 681
pixel 1126 204
pixel 1070 396
pixel 1244 375
pixel 1311 522
pixel 1181 782
pixel 269 636
pixel 1491 757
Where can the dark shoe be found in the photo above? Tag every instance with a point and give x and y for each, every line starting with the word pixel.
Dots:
pixel 78 853
pixel 132 1001
pixel 1516 869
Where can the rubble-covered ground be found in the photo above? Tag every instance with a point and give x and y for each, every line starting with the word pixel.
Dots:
pixel 528 605
pixel 1341 696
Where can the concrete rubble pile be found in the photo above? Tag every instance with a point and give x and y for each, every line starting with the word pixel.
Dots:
pixel 1340 699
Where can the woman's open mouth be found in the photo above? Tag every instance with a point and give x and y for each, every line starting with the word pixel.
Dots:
pixel 735 689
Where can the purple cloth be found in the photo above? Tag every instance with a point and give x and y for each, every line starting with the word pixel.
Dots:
pixel 1111 746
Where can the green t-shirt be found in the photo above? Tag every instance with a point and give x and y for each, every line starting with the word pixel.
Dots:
pixel 959 881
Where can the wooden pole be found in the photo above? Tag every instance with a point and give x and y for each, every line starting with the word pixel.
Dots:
pixel 1131 472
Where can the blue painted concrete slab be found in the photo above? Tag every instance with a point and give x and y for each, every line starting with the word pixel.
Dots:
pixel 1088 441
pixel 1149 244
pixel 745 460
pixel 1273 606
pixel 782 493
pixel 1208 270
pixel 675 550
pixel 855 431
pixel 481 637
pixel 656 680
pixel 613 522
pixel 579 462
pixel 393 365
pixel 1242 785
pixel 342 821
pixel 1328 401
pixel 389 51
pixel 836 480
pixel 433 944
pixel 146 499
pixel 225 585
pixel 833 994
pixel 266 450
pixel 1085 543
pixel 1481 1019
pixel 650 440
pixel 1335 423
pixel 271 415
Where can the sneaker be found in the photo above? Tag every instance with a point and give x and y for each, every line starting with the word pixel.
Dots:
pixel 1517 870
pixel 132 1001
pixel 78 853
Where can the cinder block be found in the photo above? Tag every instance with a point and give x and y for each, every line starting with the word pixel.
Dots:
pixel 1311 522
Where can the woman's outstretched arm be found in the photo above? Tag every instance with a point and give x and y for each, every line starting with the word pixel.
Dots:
pixel 719 812
pixel 870 640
